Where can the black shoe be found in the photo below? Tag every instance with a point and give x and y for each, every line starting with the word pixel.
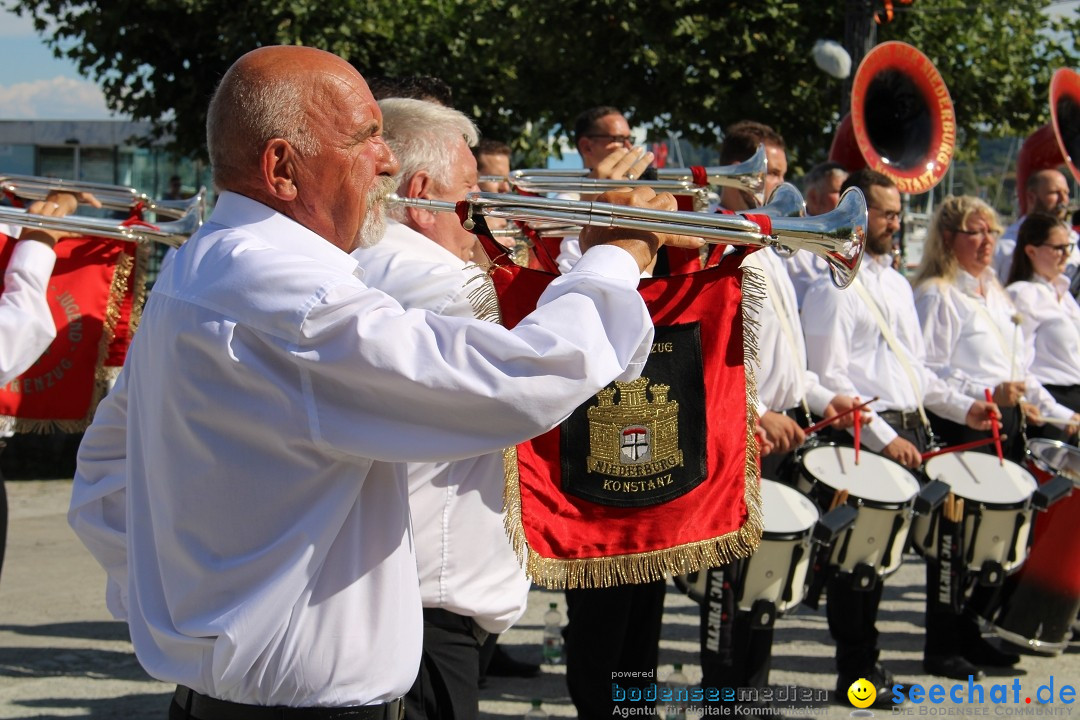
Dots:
pixel 951 666
pixel 984 653
pixel 502 665
pixel 880 678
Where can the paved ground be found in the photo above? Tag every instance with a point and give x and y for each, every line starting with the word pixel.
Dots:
pixel 61 656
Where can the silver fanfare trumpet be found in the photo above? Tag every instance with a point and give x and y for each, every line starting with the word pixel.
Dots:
pixel 838 237
pixel 187 214
pixel 748 175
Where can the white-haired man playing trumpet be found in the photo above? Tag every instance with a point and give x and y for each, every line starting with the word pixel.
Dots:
pixel 471 583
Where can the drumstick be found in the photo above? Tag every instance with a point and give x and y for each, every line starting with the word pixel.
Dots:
pixel 839 498
pixel 828 421
pixel 858 429
pixel 1056 421
pixel 1016 320
pixel 994 427
pixel 959 448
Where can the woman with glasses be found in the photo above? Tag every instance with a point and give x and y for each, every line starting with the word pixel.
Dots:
pixel 1039 288
pixel 971 327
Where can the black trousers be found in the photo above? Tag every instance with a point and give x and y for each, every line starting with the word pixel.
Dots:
pixel 735 653
pixel 852 613
pixel 447 686
pixel 609 631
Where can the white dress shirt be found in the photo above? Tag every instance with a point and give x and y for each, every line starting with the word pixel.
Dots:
pixel 1006 246
pixel 243 483
pixel 845 347
pixel 783 380
pixel 26 322
pixel 466 564
pixel 969 339
pixel 805 268
pixel 1051 319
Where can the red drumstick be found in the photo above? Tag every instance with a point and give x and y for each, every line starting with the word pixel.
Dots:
pixel 858 429
pixel 957 448
pixel 829 421
pixel 994 427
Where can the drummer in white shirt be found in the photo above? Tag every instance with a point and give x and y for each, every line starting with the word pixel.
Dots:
pixel 471 583
pixel 848 347
pixel 1039 288
pixel 970 327
pixel 787 394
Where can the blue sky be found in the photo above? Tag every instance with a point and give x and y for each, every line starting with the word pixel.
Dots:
pixel 35 85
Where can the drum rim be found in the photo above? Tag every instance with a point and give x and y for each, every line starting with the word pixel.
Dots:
pixel 788 534
pixel 1009 505
pixel 860 501
pixel 1040 646
pixel 879 504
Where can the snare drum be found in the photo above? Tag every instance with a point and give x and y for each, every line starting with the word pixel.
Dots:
pixel 1039 612
pixel 997 510
pixel 1047 458
pixel 777 570
pixel 884 492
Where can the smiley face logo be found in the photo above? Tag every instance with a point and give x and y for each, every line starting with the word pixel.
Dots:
pixel 862 693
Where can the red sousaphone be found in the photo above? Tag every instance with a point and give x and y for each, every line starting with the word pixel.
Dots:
pixel 1056 143
pixel 901 122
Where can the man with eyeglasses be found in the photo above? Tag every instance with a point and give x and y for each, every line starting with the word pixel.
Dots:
pixel 602 135
pixel 866 342
pixel 1046 191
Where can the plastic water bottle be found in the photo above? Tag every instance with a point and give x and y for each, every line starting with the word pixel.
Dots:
pixel 536 712
pixel 677 683
pixel 552 635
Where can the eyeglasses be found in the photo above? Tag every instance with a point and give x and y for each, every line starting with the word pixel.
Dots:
pixel 890 215
pixel 974 233
pixel 617 139
pixel 1062 250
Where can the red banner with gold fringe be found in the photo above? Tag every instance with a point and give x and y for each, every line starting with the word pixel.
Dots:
pixel 651 478
pixel 86 294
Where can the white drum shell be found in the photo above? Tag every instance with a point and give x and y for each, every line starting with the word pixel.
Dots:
pixel 789 518
pixel 996 497
pixel 885 494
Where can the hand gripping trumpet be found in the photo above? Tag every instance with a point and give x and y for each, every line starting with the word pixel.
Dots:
pixel 187 215
pixel 748 175
pixel 837 236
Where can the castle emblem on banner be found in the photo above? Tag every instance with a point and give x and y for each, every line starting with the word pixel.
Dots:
pixel 634 436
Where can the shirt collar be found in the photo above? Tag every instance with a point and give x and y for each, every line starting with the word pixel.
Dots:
pixel 1059 284
pixel 970 284
pixel 877 263
pixel 274 228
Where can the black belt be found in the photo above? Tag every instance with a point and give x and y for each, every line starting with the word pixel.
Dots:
pixel 452 621
pixel 905 419
pixel 202 707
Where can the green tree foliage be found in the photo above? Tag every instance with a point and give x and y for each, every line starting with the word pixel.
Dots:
pixel 522 68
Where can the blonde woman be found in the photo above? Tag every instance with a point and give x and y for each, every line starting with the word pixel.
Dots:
pixel 972 341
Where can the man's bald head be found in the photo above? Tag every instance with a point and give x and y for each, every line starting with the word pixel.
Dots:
pixel 267 93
